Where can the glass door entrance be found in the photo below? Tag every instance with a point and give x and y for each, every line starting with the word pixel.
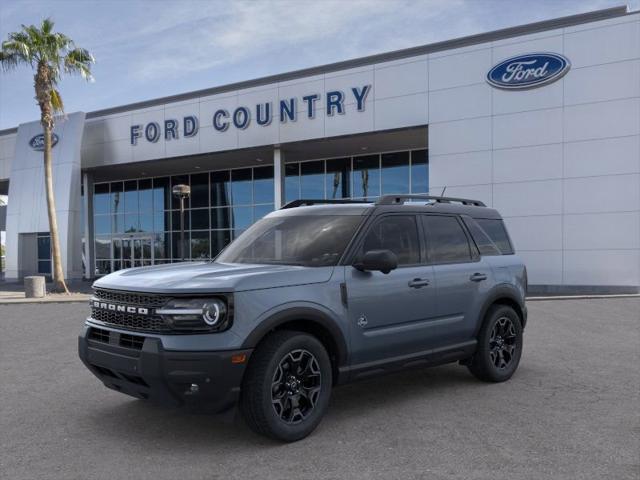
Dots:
pixel 132 251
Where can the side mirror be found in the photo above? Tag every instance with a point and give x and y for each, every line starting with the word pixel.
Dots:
pixel 377 260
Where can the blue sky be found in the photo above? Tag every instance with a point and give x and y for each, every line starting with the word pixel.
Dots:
pixel 149 49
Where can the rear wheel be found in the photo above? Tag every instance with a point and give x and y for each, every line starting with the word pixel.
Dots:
pixel 287 386
pixel 499 345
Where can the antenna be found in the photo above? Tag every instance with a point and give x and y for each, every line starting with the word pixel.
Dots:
pixel 443 190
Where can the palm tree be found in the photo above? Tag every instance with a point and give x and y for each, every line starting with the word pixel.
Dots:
pixel 50 55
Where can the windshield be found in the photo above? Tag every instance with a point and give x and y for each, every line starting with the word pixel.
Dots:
pixel 312 241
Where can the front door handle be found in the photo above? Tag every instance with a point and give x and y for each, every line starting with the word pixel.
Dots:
pixel 478 277
pixel 418 282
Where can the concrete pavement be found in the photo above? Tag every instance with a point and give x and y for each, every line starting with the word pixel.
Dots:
pixel 570 412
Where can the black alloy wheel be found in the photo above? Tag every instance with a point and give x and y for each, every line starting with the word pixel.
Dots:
pixel 296 386
pixel 287 386
pixel 499 345
pixel 502 343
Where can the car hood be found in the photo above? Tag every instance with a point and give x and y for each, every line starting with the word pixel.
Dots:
pixel 204 277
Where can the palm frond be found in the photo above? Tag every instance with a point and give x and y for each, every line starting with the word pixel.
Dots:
pixel 56 101
pixel 79 61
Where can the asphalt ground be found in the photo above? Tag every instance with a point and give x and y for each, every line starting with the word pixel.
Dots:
pixel 572 411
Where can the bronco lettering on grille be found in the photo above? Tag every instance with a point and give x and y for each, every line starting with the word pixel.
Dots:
pixel 120 308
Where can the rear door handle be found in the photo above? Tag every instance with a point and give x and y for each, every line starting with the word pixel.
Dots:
pixel 477 277
pixel 418 282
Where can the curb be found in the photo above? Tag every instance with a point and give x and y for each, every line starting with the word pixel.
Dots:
pixel 72 299
pixel 581 297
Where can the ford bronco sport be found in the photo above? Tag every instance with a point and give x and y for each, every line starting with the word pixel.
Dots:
pixel 316 294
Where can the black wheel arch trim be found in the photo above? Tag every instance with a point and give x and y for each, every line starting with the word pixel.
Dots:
pixel 504 292
pixel 301 314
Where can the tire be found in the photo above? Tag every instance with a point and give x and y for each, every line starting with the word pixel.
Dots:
pixel 499 345
pixel 279 404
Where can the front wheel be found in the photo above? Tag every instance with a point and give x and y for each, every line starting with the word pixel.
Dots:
pixel 499 345
pixel 287 386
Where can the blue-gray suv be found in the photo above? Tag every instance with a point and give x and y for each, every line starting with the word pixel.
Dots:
pixel 316 294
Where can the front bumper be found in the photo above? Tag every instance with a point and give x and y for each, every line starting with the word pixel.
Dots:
pixel 139 366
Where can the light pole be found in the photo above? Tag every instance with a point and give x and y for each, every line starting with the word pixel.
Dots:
pixel 182 192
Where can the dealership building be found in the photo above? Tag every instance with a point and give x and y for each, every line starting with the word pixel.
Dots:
pixel 541 121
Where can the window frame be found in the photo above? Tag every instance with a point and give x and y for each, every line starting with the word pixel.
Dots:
pixel 474 254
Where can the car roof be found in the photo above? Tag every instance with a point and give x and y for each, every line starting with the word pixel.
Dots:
pixel 417 204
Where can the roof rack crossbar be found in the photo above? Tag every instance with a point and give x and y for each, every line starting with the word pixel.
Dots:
pixel 309 202
pixel 400 199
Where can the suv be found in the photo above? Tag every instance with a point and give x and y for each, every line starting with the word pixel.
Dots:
pixel 316 294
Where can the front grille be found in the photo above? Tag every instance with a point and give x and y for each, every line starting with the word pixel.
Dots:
pixel 131 341
pixel 131 298
pixel 99 335
pixel 131 321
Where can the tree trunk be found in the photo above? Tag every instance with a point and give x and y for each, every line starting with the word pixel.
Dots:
pixel 43 86
pixel 59 284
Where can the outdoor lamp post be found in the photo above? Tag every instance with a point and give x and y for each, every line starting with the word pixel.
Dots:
pixel 182 192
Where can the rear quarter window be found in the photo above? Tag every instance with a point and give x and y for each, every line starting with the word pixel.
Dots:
pixel 497 232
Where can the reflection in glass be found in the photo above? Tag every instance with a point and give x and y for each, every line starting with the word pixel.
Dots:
pixel 263 185
pixel 260 211
pixel 241 186
pixel 200 190
pixel 220 189
pixel 146 222
pixel 145 195
pixel 161 221
pixel 44 247
pixel 292 182
pixel 44 267
pixel 101 198
pixel 337 178
pixel 131 203
pixel 161 194
pixel 395 172
pixel 117 248
pixel 160 245
pixel 220 218
pixel 103 247
pixel 312 179
pixel 242 217
pixel 420 171
pixel 366 176
pixel 102 224
pixel 219 240
pixel 131 223
pixel 117 198
pixel 200 219
pixel 199 245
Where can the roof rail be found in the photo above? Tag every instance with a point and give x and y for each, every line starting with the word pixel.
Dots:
pixel 308 202
pixel 400 199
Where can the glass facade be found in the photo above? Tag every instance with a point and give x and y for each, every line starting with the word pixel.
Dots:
pixel 137 222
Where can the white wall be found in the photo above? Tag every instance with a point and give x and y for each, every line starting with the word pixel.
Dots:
pixel 27 206
pixel 397 99
pixel 561 162
pixel 7 151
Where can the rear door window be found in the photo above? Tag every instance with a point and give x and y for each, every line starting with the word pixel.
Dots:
pixel 446 240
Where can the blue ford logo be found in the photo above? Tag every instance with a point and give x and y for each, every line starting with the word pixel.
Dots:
pixel 37 142
pixel 528 71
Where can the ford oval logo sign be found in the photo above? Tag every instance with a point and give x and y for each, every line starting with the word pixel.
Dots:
pixel 37 142
pixel 528 71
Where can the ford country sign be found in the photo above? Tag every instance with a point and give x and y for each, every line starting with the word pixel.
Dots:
pixel 37 142
pixel 528 71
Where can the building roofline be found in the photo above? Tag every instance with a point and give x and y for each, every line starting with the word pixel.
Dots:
pixel 494 35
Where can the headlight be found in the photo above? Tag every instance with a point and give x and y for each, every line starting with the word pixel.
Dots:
pixel 195 314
